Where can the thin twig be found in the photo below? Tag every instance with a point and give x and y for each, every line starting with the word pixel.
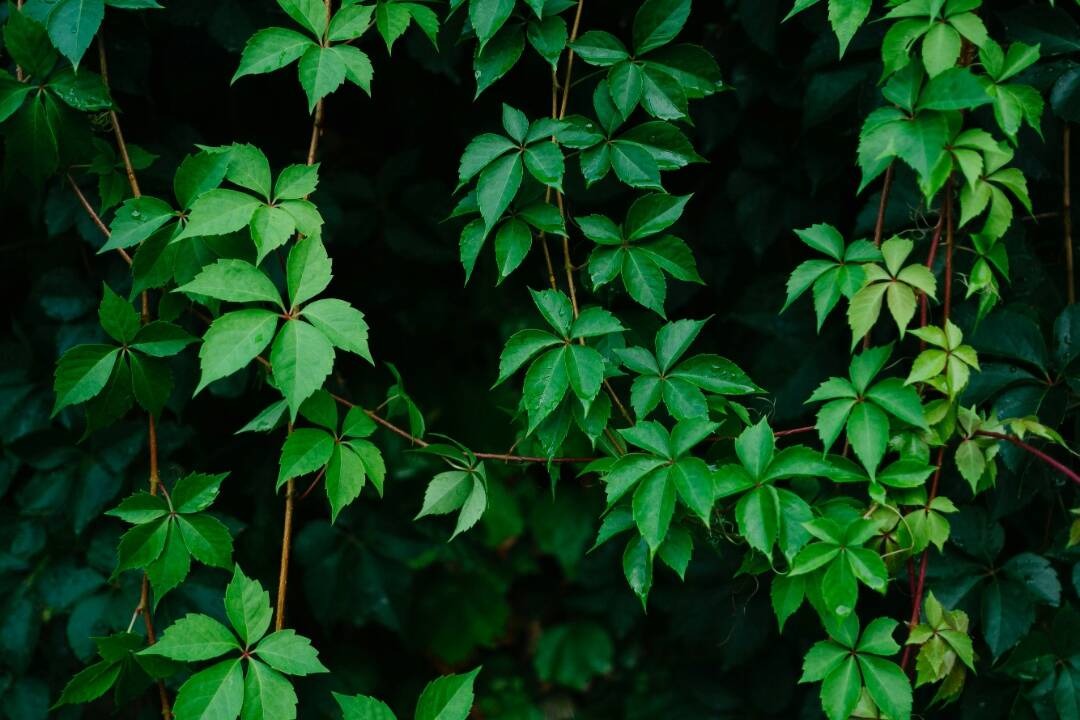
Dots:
pixel 920 585
pixel 1061 468
pixel 144 317
pixel 290 486
pixel 879 226
pixel 1066 213
pixel 95 217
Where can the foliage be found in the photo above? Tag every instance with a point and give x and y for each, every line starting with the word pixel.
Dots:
pixel 635 166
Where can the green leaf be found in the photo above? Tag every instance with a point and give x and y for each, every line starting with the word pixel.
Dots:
pixel 840 690
pixel 196 492
pixel 544 161
pixel 657 22
pixel 296 182
pixel 219 212
pixel 548 37
pixel 310 14
pixel 322 71
pixel 142 507
pixel 555 308
pixel 290 653
pixel 868 433
pixel 233 341
pixel 585 371
pixel 653 213
pixel 497 186
pixel 644 281
pixel 90 684
pixel 953 89
pixel 512 244
pixel 755 447
pixel 887 685
pixel 267 695
pixel 391 20
pixel 446 492
pixel 625 82
pixel 846 16
pixel 82 373
pixel 600 48
pixel 595 322
pixel 695 486
pixel 151 382
pixel 72 25
pixel 161 339
pixel 634 165
pixel 194 637
pixel 217 692
pixel 249 168
pixel 488 16
pixel 271 227
pixel 27 43
pixel 207 539
pixel 234 281
pixel 520 348
pixel 447 698
pixel 305 451
pixel 117 316
pixel 654 506
pixel 546 383
pixel 572 655
pixel 350 22
pixel 271 49
pixel 497 57
pixel 135 221
pixel 758 515
pixel 480 152
pixel 898 400
pixel 248 607
pixel 344 478
pixel 940 48
pixel 362 707
pixel 637 567
pixel 341 323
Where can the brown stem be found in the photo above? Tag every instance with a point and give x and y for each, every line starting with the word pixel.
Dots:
pixel 19 74
pixel 290 486
pixel 948 252
pixel 794 431
pixel 879 226
pixel 152 442
pixel 920 585
pixel 1066 213
pixel 1061 468
pixel 934 242
pixel 286 548
pixel 95 217
pixel 121 146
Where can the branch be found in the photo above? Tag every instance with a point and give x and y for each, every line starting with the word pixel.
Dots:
pixel 290 485
pixel 144 316
pixel 95 217
pixel 1066 213
pixel 1060 467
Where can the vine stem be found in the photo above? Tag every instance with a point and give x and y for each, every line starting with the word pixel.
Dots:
pixel 886 188
pixel 19 74
pixel 1032 450
pixel 503 457
pixel 934 242
pixel 144 317
pixel 95 217
pixel 290 485
pixel 568 266
pixel 920 585
pixel 1066 212
pixel 879 224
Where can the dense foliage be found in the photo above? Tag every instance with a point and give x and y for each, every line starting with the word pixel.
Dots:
pixel 539 359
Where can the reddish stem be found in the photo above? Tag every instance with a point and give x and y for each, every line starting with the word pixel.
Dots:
pixel 920 584
pixel 1033 451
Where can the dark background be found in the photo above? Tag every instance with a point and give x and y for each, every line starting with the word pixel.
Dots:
pixel 388 602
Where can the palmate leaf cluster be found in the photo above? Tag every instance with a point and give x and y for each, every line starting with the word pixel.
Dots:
pixel 620 395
